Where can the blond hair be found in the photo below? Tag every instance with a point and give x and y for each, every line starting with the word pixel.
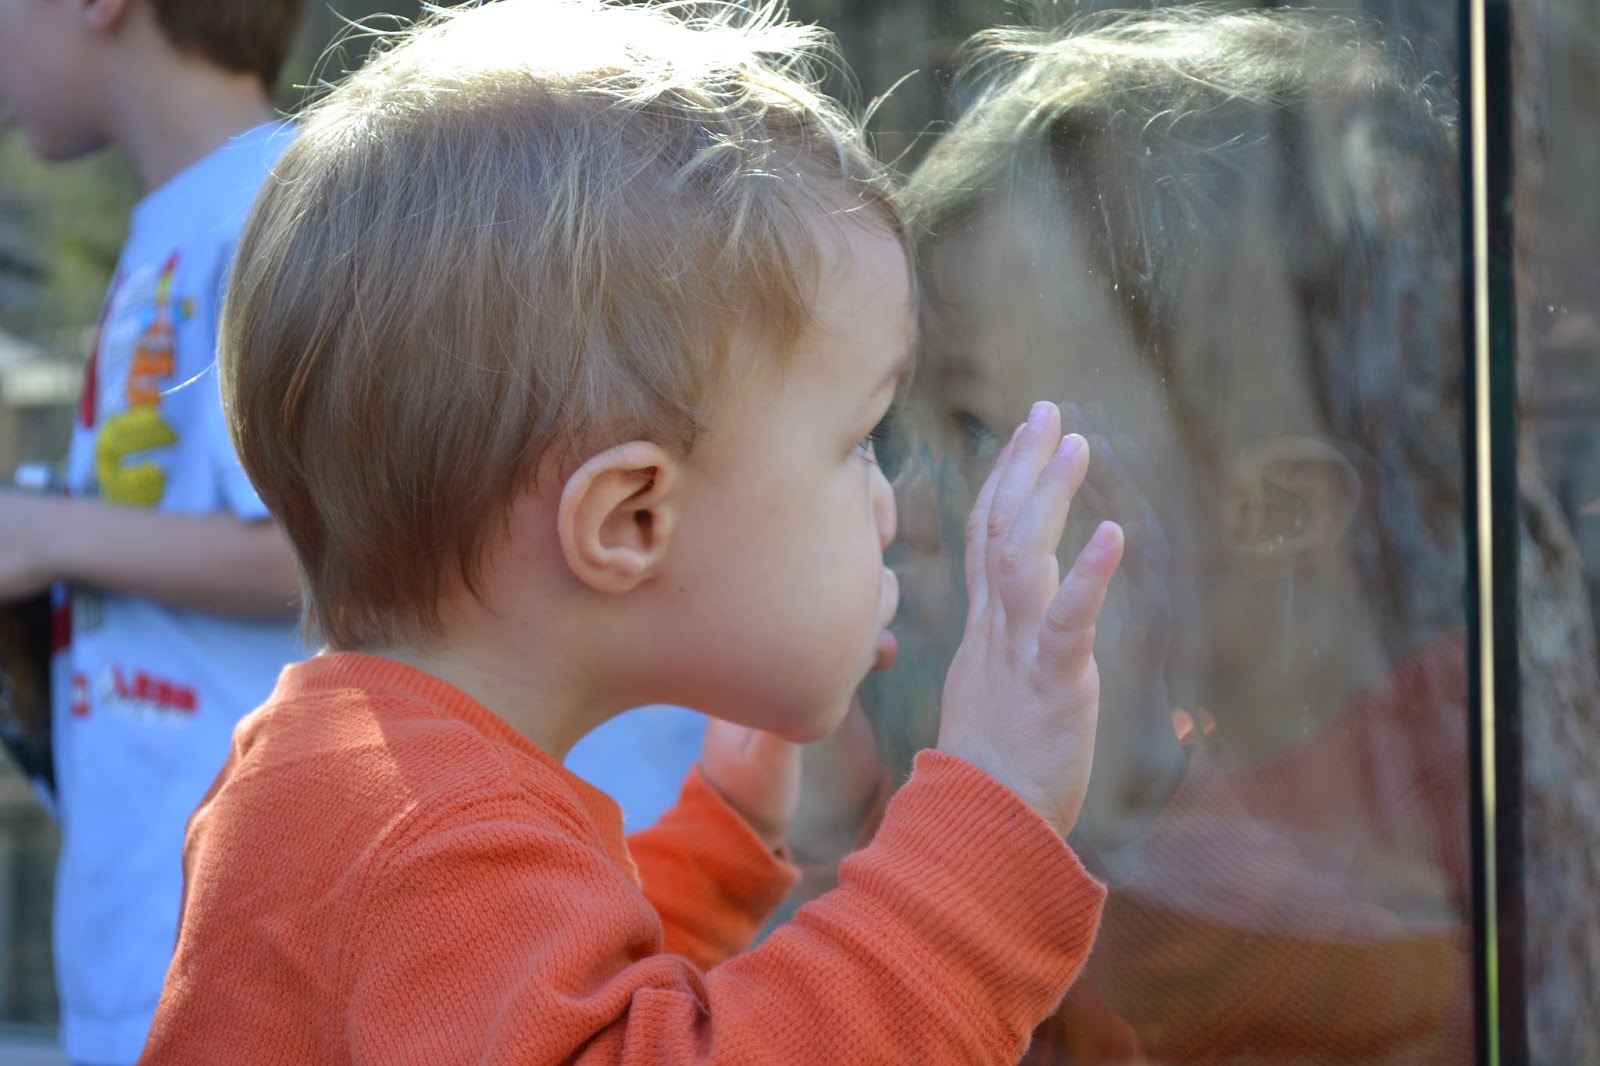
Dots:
pixel 523 230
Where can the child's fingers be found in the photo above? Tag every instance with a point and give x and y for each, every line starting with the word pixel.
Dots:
pixel 1029 550
pixel 1031 449
pixel 978 531
pixel 1067 639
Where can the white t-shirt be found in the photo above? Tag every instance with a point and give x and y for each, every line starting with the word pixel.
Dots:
pixel 152 693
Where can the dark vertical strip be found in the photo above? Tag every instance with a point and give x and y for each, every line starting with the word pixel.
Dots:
pixel 1489 445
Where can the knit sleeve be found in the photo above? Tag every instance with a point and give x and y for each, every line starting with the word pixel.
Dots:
pixel 708 875
pixel 494 938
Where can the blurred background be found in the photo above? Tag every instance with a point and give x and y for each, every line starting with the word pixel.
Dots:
pixel 60 229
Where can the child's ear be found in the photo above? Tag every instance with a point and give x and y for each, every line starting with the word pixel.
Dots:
pixel 617 516
pixel 1289 500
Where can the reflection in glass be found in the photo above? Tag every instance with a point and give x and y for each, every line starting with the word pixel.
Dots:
pixel 1228 245
pixel 1556 134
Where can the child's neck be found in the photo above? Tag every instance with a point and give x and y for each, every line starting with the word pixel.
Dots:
pixel 168 110
pixel 552 658
pixel 546 702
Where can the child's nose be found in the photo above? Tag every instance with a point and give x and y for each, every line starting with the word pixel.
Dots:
pixel 883 507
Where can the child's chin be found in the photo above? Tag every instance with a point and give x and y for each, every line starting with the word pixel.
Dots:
pixel 811 731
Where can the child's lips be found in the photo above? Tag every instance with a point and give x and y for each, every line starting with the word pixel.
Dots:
pixel 887 651
pixel 888 647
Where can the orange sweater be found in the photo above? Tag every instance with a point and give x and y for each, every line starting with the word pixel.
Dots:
pixel 386 872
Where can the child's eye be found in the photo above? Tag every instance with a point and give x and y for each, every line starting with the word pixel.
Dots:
pixel 873 441
pixel 977 439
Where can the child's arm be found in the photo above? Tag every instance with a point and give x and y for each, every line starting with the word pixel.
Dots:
pixel 486 938
pixel 217 563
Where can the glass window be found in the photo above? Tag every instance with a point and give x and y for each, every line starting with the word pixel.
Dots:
pixel 1228 244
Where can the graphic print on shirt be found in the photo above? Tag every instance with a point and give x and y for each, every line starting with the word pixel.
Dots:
pixel 136 358
pixel 139 693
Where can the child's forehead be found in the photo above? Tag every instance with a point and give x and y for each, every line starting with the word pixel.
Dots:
pixel 866 289
pixel 858 246
pixel 858 335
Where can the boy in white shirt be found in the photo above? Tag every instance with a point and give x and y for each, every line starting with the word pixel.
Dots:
pixel 182 592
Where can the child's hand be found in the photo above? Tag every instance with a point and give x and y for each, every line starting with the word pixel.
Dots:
pixel 757 773
pixel 1022 696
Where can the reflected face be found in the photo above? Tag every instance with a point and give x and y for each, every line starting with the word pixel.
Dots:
pixel 1269 629
pixel 47 67
pixel 1017 313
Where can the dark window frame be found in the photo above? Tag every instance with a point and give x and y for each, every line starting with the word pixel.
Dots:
pixel 1491 519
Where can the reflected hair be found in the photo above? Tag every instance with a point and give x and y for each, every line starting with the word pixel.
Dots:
pixel 524 230
pixel 1158 136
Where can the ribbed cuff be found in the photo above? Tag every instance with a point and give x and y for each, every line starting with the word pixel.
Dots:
pixel 982 888
pixel 1003 857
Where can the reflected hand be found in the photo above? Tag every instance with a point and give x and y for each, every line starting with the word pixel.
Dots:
pixel 840 777
pixel 758 773
pixel 1139 760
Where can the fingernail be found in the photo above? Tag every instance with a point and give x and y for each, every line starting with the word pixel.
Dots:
pixel 1069 446
pixel 1037 415
pixel 1105 537
pixel 1018 432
